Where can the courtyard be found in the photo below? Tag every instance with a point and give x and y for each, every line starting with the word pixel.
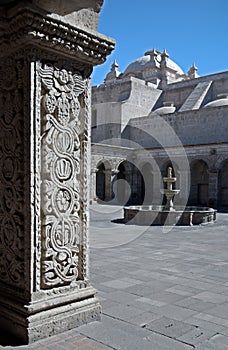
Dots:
pixel 160 288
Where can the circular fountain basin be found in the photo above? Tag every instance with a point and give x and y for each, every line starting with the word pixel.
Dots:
pixel 150 215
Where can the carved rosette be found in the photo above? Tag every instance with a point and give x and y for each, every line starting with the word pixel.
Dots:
pixel 12 166
pixel 62 92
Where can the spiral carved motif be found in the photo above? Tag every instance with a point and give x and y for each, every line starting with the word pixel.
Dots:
pixel 60 166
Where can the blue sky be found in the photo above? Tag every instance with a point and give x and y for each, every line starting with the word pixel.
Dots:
pixel 193 31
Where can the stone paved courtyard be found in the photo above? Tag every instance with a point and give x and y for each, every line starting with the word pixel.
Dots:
pixel 159 288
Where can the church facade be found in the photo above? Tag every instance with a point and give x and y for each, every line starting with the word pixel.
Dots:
pixel 152 116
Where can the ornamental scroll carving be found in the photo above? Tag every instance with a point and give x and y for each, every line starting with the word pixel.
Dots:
pixel 12 171
pixel 61 166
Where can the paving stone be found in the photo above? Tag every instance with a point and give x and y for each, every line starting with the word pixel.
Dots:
pixel 121 335
pixel 213 319
pixel 207 345
pixel 207 325
pixel 145 306
pixel 121 283
pixel 196 305
pixel 106 304
pixel 216 342
pixel 219 311
pixel 169 327
pixel 144 318
pixel 197 336
pixel 140 290
pixel 128 279
pixel 176 312
pixel 183 290
pixel 151 301
pixel 224 331
pixel 122 312
pixel 211 297
pixel 219 339
pixel 121 297
pixel 166 297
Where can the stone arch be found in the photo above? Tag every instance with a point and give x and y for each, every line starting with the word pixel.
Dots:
pixel 102 180
pixel 126 183
pixel 199 193
pixel 123 183
pixel 166 165
pixel 124 163
pixel 223 186
pixel 147 183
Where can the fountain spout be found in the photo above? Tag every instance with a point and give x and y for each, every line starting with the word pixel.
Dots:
pixel 168 191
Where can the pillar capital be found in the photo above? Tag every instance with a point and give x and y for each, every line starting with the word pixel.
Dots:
pixel 94 170
pixel 114 172
pixel 30 24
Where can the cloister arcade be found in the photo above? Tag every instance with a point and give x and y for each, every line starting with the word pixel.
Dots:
pixel 140 183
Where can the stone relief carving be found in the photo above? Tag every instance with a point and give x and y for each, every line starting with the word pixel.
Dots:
pixel 12 153
pixel 54 34
pixel 45 65
pixel 61 178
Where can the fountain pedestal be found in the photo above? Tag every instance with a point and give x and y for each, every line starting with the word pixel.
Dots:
pixel 169 192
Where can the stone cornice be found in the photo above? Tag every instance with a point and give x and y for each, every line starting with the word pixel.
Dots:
pixel 29 27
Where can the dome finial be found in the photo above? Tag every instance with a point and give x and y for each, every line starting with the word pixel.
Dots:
pixel 114 73
pixel 192 73
pixel 164 54
pixel 114 65
pixel 164 58
pixel 152 53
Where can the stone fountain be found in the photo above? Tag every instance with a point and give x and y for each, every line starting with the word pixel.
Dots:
pixel 169 192
pixel 168 214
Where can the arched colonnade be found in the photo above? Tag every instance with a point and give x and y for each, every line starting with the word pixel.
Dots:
pixel 126 183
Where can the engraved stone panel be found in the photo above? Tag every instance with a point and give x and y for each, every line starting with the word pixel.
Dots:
pixel 61 162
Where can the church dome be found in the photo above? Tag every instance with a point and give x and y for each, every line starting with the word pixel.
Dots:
pixel 137 66
pixel 222 100
pixel 167 108
pixel 152 59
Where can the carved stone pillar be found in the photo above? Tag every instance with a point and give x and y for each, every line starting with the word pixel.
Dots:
pixel 45 68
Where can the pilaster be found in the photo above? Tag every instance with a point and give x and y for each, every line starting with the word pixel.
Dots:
pixel 45 68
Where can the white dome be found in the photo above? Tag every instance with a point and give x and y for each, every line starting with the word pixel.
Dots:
pixel 223 101
pixel 138 65
pixel 165 110
pixel 144 62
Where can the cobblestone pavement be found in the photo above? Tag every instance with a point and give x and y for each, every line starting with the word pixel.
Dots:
pixel 159 288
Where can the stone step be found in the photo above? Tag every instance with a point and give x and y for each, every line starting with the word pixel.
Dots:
pixel 195 99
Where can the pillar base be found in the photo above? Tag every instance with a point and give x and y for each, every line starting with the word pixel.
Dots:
pixel 39 320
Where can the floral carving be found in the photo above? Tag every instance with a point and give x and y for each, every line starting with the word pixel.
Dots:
pixel 61 160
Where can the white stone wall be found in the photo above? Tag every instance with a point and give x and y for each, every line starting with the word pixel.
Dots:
pixel 204 126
